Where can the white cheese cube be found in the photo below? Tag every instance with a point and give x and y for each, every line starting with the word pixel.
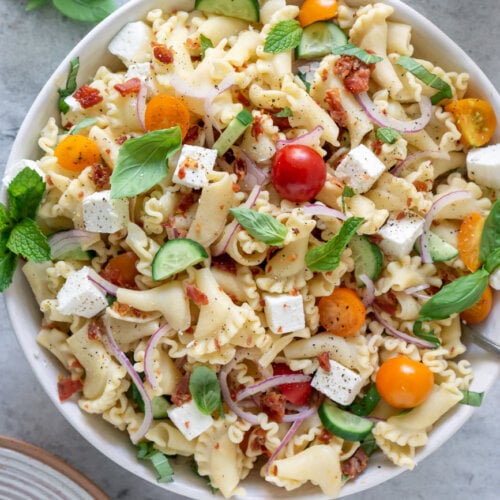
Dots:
pixel 495 279
pixel 74 105
pixel 340 384
pixel 103 214
pixel 138 70
pixel 360 169
pixel 193 166
pixel 189 420
pixel 284 313
pixel 80 296
pixel 15 168
pixel 132 44
pixel 483 166
pixel 400 233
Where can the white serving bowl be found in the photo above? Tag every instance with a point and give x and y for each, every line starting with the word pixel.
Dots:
pixel 429 43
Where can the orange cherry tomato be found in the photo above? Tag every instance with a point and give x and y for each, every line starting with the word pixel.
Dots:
pixel 403 382
pixel 165 111
pixel 317 10
pixel 480 310
pixel 121 270
pixel 475 119
pixel 75 152
pixel 469 239
pixel 342 313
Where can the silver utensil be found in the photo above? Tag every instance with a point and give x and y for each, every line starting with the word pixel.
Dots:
pixel 480 339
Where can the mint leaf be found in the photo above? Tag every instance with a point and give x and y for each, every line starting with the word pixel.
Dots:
pixel 283 36
pixel 8 263
pixel 490 237
pixel 34 4
pixel 27 239
pixel 351 50
pixel 205 389
pixel 70 85
pixel 86 122
pixel 25 194
pixel 5 220
pixel 326 257
pixel 89 11
pixel 386 135
pixel 143 162
pixel 263 227
pixel 205 44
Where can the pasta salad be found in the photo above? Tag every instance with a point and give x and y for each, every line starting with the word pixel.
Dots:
pixel 254 244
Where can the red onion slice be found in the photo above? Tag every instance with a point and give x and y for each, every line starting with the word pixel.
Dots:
pixel 218 89
pixel 140 105
pixel 431 153
pixel 270 382
pixel 369 295
pixel 65 241
pixel 121 357
pixel 317 209
pixel 385 120
pixel 415 289
pixel 253 174
pixel 105 285
pixel 149 353
pixel 436 207
pixel 308 139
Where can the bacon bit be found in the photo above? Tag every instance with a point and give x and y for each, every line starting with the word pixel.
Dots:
pixel 324 361
pixel 273 405
pixel 100 175
pixel 324 75
pixel 325 436
pixel 162 53
pixel 217 345
pixel 189 330
pixel 355 465
pixel 131 86
pixel 75 365
pixel 95 330
pixel 377 147
pixel 282 122
pixel 388 303
pixel 236 188
pixel 217 446
pixel 181 392
pixel 375 238
pixel 87 96
pixel 187 423
pixel 239 168
pixel 258 441
pixel 192 134
pixel 66 387
pixel 129 311
pixel 196 295
pixel 225 263
pixel 257 128
pixel 48 180
pixel 355 73
pixel 400 216
pixel 187 201
pixel 294 292
pixel 409 201
pixel 120 140
pixel 81 194
pixel 242 98
pixel 68 125
pixel 420 186
pixel 337 110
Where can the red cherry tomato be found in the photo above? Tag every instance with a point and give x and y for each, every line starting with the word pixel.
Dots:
pixel 298 393
pixel 298 173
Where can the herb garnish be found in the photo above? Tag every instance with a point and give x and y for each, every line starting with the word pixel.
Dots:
pixel 86 122
pixel 387 135
pixel 263 227
pixel 284 35
pixel 70 85
pixel 367 404
pixel 205 389
pixel 351 50
pixel 159 460
pixel 89 11
pixel 205 43
pixel 347 192
pixel 472 398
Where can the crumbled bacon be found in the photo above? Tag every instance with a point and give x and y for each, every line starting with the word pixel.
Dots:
pixel 257 128
pixel 355 465
pixel 181 392
pixel 66 387
pixel 100 175
pixel 242 98
pixel 273 405
pixel 377 147
pixel 196 295
pixel 324 361
pixel 325 436
pixel 192 134
pixel 87 96
pixel 282 122
pixel 387 302
pixel 95 330
pixel 354 72
pixel 254 442
pixel 163 54
pixel 240 168
pixel 420 186
pixel 129 311
pixel 187 200
pixel 131 86
pixel 225 263
pixel 337 110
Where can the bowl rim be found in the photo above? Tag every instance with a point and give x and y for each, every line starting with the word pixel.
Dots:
pixel 41 362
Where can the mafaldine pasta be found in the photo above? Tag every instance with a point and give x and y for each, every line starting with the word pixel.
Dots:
pixel 265 233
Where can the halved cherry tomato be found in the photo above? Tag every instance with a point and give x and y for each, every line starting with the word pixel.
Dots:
pixel 480 310
pixel 403 382
pixel 298 172
pixel 75 152
pixel 298 393
pixel 342 313
pixel 469 239
pixel 165 111
pixel 121 270
pixel 317 10
pixel 475 119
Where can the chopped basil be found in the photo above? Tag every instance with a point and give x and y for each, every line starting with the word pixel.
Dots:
pixel 70 85
pixel 205 389
pixel 367 404
pixel 286 112
pixel 472 398
pixel 159 460
pixel 427 335
pixel 303 78
pixel 369 444
pixel 490 237
pixel 492 261
pixel 427 77
pixel 86 122
pixel 347 192
pixel 284 35
pixel 205 44
pixel 351 50
pixel 387 135
pixel 263 227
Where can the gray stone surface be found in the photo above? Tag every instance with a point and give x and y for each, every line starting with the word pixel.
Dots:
pixel 32 44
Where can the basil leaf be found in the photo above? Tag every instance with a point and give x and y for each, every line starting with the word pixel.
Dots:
pixel 205 43
pixel 492 261
pixel 364 407
pixel 143 162
pixel 284 35
pixel 456 296
pixel 34 4
pixel 472 398
pixel 263 227
pixel 490 237
pixel 347 192
pixel 303 78
pixel 8 263
pixel 429 335
pixel 27 239
pixel 205 390
pixel 326 257
pixel 387 135
pixel 25 194
pixel 158 459
pixel 86 122
pixel 89 11
pixel 351 50
pixel 369 444
pixel 286 112
pixel 427 77
pixel 70 85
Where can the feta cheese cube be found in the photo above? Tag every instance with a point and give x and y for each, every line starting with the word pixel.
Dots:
pixel 284 313
pixel 15 168
pixel 400 233
pixel 340 384
pixel 132 44
pixel 189 420
pixel 80 296
pixel 483 166
pixel 103 214
pixel 193 166
pixel 495 279
pixel 74 105
pixel 139 70
pixel 360 169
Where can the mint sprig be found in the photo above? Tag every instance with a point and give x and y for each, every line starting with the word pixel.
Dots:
pixel 284 35
pixel 89 11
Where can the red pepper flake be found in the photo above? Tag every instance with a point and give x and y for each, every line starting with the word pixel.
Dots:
pixel 95 330
pixel 181 173
pixel 242 98
pixel 163 54
pixel 196 295
pixel 120 140
pixel 377 147
pixel 217 446
pixel 131 86
pixel 257 128
pixel 324 361
pixel 420 186
pixel 325 436
pixel 400 216
pixel 337 110
pixel 87 96
pixel 66 387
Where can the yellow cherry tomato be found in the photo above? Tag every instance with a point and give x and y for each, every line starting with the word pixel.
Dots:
pixel 317 10
pixel 165 111
pixel 75 152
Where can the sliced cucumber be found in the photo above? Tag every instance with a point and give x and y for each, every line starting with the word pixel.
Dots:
pixel 367 256
pixel 319 38
pixel 439 249
pixel 233 131
pixel 76 254
pixel 176 255
pixel 247 10
pixel 343 424
pixel 160 406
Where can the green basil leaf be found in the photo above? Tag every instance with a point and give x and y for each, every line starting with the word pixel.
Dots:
pixel 205 390
pixel 89 11
pixel 205 44
pixel 472 398
pixel 303 78
pixel 284 35
pixel 347 192
pixel 286 112
pixel 8 263
pixel 70 85
pixel 86 122
pixel 427 77
pixel 490 237
pixel 364 407
pixel 351 50
pixel 34 4
pixel 387 135
pixel 27 240
pixel 263 227
pixel 369 444
pixel 427 335
pixel 456 296
pixel 492 261
pixel 158 459
pixel 326 257
pixel 143 162
pixel 25 193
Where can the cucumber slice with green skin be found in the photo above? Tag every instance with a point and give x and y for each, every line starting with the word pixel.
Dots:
pixel 343 424
pixel 439 249
pixel 368 258
pixel 76 254
pixel 176 255
pixel 160 406
pixel 233 131
pixel 247 10
pixel 319 38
